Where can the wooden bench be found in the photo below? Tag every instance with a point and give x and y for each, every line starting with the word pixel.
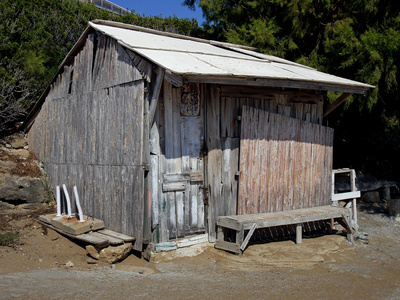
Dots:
pixel 251 222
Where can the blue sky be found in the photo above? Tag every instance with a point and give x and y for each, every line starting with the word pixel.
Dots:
pixel 165 7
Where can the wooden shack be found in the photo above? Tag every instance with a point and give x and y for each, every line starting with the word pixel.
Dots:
pixel 162 133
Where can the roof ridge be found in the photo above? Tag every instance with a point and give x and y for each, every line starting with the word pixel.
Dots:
pixel 169 34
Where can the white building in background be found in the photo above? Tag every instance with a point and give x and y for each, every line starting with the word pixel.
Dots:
pixel 108 5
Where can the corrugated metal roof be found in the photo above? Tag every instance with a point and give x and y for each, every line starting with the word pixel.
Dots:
pixel 186 56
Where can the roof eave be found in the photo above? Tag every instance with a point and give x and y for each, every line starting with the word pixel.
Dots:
pixel 282 83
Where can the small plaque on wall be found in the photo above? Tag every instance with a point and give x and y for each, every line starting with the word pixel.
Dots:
pixel 190 100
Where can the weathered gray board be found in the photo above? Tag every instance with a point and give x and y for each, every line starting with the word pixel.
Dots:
pixel 89 133
pixel 285 163
pixel 223 129
pixel 181 163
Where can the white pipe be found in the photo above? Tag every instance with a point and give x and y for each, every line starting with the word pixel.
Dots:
pixel 68 201
pixel 78 205
pixel 58 201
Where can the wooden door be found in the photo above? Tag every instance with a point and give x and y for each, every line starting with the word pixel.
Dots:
pixel 184 174
pixel 285 163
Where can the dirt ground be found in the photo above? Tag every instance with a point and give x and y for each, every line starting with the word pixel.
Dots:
pixel 44 263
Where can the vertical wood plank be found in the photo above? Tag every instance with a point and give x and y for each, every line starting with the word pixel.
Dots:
pixel 297 163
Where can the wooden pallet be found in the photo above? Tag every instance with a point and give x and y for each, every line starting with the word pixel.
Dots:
pixel 251 222
pixel 100 238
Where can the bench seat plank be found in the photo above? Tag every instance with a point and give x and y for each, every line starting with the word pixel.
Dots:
pixel 265 220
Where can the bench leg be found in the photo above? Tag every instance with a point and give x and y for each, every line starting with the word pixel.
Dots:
pixel 239 238
pixel 220 233
pixel 299 233
pixel 346 223
pixel 248 237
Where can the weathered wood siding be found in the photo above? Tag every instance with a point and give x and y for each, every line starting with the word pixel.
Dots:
pixel 223 130
pixel 181 166
pixel 285 163
pixel 89 133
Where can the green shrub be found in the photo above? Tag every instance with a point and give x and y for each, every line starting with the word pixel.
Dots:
pixel 8 238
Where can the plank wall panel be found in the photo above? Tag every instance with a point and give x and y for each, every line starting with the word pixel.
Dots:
pixel 89 134
pixel 284 163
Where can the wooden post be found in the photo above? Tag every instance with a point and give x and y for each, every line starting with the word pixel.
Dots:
pixel 334 203
pixel 353 189
pixel 239 236
pixel 220 233
pixel 299 233
pixel 147 171
pixel 155 93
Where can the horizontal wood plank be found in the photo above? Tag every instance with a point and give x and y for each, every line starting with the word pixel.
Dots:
pixel 344 196
pixel 228 246
pixel 196 176
pixel 111 240
pixel 176 177
pixel 97 241
pixel 91 239
pixel 282 218
pixel 174 186
pixel 125 238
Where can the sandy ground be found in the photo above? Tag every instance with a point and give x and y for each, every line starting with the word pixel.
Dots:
pixel 46 264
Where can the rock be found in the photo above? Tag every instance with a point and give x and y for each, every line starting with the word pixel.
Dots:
pixel 113 254
pixel 93 251
pixel 371 197
pixel 20 153
pixel 7 164
pixel 363 238
pixel 110 254
pixel 25 191
pixel 385 193
pixel 393 206
pixel 16 140
pixel 69 264
pixel 6 206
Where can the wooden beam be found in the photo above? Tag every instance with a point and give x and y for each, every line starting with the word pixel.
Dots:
pixel 347 195
pixel 155 93
pixel 247 239
pixel 175 80
pixel 280 83
pixel 337 102
pixel 228 246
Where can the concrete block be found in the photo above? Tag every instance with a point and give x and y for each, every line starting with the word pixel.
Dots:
pixel 73 226
pixel 47 218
